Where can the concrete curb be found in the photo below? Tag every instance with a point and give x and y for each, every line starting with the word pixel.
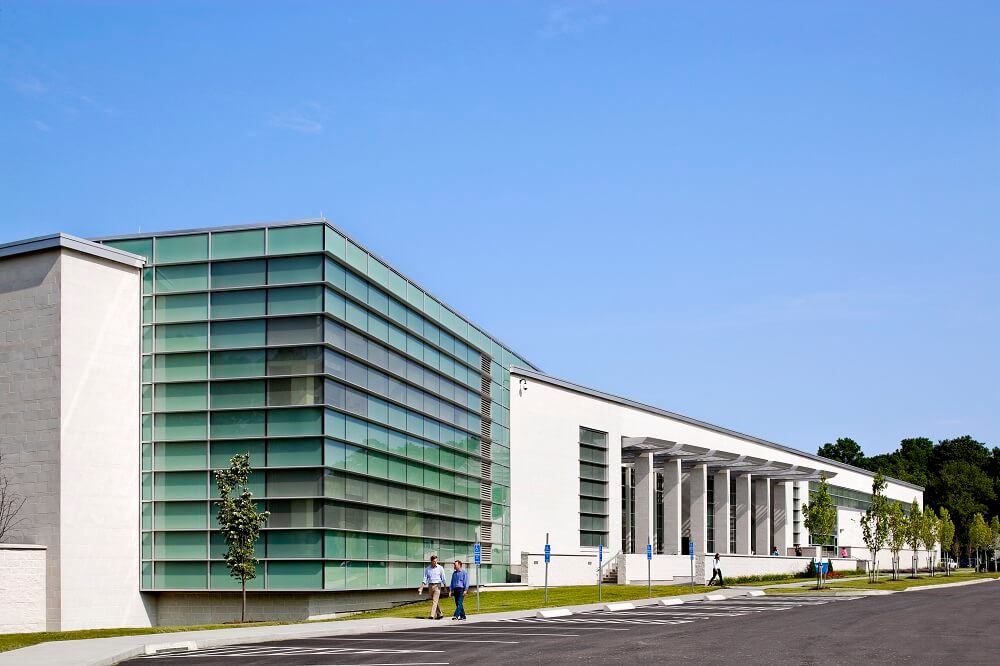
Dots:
pixel 921 588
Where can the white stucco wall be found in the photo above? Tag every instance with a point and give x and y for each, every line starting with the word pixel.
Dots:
pixel 545 420
pixel 100 430
pixel 22 588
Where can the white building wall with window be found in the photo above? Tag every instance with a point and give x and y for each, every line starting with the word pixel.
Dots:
pixel 546 417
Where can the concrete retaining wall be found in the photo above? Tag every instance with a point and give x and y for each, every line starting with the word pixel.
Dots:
pixel 563 569
pixel 22 588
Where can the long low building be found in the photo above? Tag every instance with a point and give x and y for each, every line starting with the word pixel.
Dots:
pixel 383 427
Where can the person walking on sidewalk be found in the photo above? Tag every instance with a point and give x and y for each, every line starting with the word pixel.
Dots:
pixel 433 579
pixel 716 570
pixel 459 586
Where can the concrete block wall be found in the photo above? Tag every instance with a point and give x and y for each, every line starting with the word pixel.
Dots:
pixel 22 588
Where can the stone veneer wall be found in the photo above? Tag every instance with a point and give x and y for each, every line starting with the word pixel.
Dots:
pixel 22 588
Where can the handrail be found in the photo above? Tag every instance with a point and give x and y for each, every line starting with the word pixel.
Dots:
pixel 613 558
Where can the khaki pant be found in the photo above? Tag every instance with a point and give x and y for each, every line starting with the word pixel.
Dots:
pixel 436 601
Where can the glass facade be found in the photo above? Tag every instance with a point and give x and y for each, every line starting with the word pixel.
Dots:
pixel 593 488
pixel 377 419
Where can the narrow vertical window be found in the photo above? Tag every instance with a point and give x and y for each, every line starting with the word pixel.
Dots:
pixel 593 487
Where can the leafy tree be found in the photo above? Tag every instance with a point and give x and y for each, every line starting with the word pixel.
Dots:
pixel 875 523
pixel 928 535
pixel 240 521
pixel 820 518
pixel 845 450
pixel 897 535
pixel 913 527
pixel 946 533
pixel 963 487
pixel 995 538
pixel 979 535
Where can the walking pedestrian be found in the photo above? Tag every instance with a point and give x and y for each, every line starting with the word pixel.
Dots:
pixel 459 587
pixel 716 570
pixel 433 579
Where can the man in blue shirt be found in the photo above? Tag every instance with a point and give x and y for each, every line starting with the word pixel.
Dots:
pixel 434 579
pixel 459 586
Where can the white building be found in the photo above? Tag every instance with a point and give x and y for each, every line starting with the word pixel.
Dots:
pixel 594 470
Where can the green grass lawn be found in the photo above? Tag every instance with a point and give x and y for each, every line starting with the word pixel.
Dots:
pixel 498 601
pixel 15 641
pixel 885 582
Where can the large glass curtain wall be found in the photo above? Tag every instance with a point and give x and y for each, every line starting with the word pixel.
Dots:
pixel 376 418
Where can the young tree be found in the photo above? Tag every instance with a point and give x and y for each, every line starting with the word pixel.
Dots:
pixel 820 519
pixel 913 527
pixel 875 523
pixel 946 534
pixel 995 540
pixel 979 535
pixel 240 522
pixel 897 535
pixel 11 504
pixel 929 535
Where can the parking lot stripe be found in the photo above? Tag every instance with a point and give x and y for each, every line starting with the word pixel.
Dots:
pixel 415 640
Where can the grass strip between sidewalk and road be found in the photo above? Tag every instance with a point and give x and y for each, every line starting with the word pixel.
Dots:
pixel 501 601
pixel 886 583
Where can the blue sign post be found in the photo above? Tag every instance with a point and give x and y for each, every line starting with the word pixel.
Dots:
pixel 649 570
pixel 600 571
pixel 548 556
pixel 691 553
pixel 477 557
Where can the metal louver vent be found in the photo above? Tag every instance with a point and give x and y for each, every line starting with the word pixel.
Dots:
pixel 486 491
pixel 486 429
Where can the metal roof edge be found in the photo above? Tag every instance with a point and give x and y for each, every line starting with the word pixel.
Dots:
pixel 65 241
pixel 577 388
pixel 306 221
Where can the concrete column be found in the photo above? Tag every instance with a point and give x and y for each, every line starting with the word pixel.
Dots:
pixel 627 525
pixel 721 512
pixel 781 516
pixel 698 487
pixel 672 507
pixel 762 515
pixel 645 502
pixel 743 517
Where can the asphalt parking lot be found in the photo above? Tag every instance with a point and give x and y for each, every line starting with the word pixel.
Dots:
pixel 948 625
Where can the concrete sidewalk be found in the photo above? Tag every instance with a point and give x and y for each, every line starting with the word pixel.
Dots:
pixel 107 651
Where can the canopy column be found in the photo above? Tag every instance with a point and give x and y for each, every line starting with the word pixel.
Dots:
pixel 743 517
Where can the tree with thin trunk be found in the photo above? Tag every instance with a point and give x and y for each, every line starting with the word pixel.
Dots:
pixel 897 535
pixel 979 535
pixel 995 539
pixel 928 536
pixel 875 524
pixel 946 535
pixel 240 521
pixel 820 519
pixel 11 504
pixel 913 527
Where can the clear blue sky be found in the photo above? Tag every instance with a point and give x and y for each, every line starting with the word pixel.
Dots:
pixel 779 217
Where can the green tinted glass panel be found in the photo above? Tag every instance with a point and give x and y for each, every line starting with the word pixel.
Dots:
pixel 291 240
pixel 140 246
pixel 180 485
pixel 180 455
pixel 147 339
pixel 357 257
pixel 295 575
pixel 181 278
pixel 235 244
pixel 295 422
pixel 294 330
pixel 244 363
pixel 249 393
pixel 334 243
pixel 147 281
pixel 238 424
pixel 243 333
pixel 289 452
pixel 239 274
pixel 181 545
pixel 181 397
pixel 220 579
pixel 147 311
pixel 175 367
pixel 291 270
pixel 181 575
pixel 295 543
pixel 295 300
pixel 357 575
pixel 181 248
pixel 147 369
pixel 184 425
pixel 245 303
pixel 181 337
pixel 180 515
pixel 223 452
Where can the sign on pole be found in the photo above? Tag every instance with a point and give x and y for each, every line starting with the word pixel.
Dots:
pixel 600 571
pixel 649 551
pixel 649 569
pixel 477 556
pixel 548 556
pixel 691 553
